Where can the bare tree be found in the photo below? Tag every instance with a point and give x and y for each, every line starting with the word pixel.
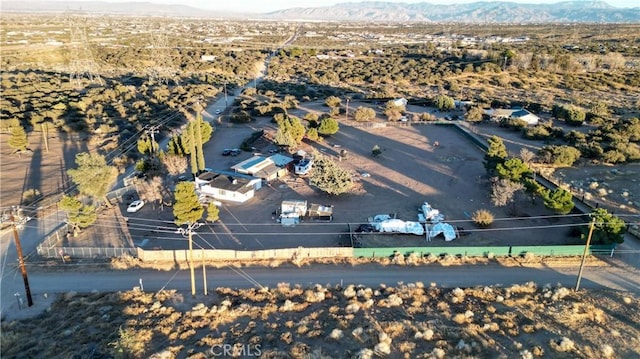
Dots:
pixel 527 156
pixel 151 190
pixel 503 191
pixel 175 164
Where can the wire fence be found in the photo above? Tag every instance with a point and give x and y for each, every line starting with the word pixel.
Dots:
pixel 53 239
pixel 86 252
pixel 52 246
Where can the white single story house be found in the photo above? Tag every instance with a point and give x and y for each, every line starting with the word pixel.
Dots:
pixel 227 186
pixel 515 113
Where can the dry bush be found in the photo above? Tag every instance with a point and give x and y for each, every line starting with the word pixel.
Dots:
pixel 482 218
pixel 563 344
pixel 30 195
pixel 529 288
pixel 398 258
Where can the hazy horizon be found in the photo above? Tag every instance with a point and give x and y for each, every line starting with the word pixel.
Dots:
pixel 261 6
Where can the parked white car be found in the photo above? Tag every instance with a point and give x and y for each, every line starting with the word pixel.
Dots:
pixel 135 206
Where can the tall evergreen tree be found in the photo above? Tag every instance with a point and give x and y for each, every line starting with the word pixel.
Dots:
pixel 559 200
pixel 496 153
pixel 205 131
pixel 186 209
pixel 93 176
pixel 198 138
pixel 18 140
pixel 213 212
pixel 329 177
pixel 607 229
pixel 145 146
pixel 289 126
pixel 192 150
pixel 175 146
pixel 513 169
pixel 444 103
pixel 78 215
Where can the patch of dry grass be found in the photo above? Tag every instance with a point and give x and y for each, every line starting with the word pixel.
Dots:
pixel 355 321
pixel 398 259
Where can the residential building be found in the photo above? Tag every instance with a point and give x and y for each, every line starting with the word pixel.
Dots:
pixel 514 113
pixel 227 186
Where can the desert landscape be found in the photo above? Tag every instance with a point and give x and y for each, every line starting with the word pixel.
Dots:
pixel 162 99
pixel 407 320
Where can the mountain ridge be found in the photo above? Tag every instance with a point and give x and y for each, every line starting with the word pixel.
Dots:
pixel 369 11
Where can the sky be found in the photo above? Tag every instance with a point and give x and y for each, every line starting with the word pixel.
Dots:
pixel 260 6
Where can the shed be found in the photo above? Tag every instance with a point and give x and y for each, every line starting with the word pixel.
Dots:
pixel 320 212
pixel 293 207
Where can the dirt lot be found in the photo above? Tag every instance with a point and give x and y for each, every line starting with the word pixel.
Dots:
pixel 410 170
pixel 41 170
pixel 412 320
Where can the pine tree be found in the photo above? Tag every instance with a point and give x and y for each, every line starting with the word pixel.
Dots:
pixel 187 208
pixel 329 177
pixel 213 212
pixel 284 139
pixel 198 138
pixel 513 169
pixel 328 126
pixel 145 145
pixel 205 131
pixel 192 150
pixel 559 200
pixel 18 140
pixel 607 229
pixel 93 176
pixel 78 215
pixel 497 153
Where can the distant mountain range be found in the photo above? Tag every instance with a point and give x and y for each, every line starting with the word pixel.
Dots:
pixel 372 11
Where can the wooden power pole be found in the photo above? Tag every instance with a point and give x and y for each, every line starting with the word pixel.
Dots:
pixel 23 269
pixel 584 254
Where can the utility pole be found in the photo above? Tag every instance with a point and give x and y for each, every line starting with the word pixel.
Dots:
pixel 152 130
pixel 225 95
pixel 346 114
pixel 45 128
pixel 584 254
pixel 189 232
pixel 193 278
pixel 23 269
pixel 204 273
